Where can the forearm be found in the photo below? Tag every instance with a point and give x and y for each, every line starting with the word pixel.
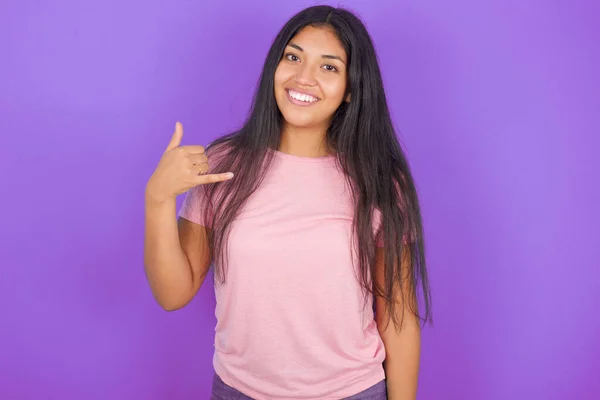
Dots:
pixel 402 363
pixel 167 267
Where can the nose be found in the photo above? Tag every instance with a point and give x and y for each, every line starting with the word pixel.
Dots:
pixel 305 76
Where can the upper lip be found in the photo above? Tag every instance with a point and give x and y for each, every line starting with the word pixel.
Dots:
pixel 303 92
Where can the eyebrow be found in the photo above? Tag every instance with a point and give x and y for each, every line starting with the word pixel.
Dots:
pixel 328 56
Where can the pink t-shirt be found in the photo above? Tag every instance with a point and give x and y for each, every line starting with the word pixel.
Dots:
pixel 290 318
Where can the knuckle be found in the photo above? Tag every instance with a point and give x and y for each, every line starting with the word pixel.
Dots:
pixel 181 153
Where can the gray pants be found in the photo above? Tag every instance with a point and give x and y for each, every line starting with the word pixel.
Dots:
pixel 221 391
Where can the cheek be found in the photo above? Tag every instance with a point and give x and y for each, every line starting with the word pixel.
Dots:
pixel 277 79
pixel 282 75
pixel 335 90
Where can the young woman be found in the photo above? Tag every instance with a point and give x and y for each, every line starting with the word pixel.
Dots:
pixel 311 219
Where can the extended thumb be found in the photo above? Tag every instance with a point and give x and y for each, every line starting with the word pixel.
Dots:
pixel 176 138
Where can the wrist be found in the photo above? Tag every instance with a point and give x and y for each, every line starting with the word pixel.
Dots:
pixel 153 199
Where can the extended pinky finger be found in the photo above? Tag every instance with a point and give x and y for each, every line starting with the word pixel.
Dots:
pixel 212 178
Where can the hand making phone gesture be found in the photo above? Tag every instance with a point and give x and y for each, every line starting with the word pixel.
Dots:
pixel 180 169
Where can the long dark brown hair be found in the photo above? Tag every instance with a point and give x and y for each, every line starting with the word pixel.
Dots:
pixel 363 138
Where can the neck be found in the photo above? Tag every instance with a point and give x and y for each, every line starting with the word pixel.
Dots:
pixel 303 142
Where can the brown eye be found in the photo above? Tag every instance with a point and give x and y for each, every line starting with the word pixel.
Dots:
pixel 330 68
pixel 291 57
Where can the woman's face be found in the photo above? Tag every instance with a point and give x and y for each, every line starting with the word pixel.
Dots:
pixel 310 81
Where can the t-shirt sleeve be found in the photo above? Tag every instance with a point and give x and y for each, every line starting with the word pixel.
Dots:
pixel 407 237
pixel 380 238
pixel 194 206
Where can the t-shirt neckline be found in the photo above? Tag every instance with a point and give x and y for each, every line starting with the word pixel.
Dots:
pixel 306 159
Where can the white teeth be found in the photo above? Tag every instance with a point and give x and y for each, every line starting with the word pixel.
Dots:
pixel 302 97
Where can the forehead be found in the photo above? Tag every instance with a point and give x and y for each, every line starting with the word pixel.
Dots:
pixel 320 41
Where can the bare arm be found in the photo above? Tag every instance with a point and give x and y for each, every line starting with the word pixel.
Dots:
pixel 176 255
pixel 402 347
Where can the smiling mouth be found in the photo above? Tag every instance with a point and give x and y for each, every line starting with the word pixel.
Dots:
pixel 301 98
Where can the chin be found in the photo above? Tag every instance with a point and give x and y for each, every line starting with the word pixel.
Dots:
pixel 299 120
pixel 298 117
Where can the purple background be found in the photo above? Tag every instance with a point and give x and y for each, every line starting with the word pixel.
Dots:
pixel 498 104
